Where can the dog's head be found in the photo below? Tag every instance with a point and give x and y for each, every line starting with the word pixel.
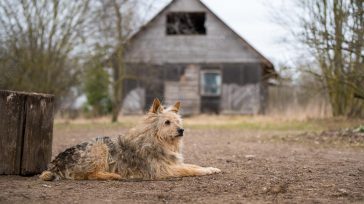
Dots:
pixel 168 121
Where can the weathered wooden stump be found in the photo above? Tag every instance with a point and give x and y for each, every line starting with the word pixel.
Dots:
pixel 26 130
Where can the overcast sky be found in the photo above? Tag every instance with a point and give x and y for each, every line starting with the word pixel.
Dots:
pixel 252 19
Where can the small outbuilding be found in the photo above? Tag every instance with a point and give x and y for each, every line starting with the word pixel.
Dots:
pixel 187 53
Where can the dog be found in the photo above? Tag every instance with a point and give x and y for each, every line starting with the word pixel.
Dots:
pixel 150 151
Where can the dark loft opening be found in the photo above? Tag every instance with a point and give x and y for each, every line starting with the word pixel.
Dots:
pixel 183 23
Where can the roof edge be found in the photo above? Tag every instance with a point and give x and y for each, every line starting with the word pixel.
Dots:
pixel 264 60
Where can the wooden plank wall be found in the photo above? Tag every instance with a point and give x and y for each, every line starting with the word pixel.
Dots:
pixel 241 99
pixel 219 45
pixel 186 91
pixel 26 128
pixel 11 132
pixel 242 91
pixel 38 132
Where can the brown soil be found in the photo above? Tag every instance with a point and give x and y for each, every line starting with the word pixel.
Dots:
pixel 258 167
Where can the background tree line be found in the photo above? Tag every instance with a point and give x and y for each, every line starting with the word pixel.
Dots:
pixel 63 47
pixel 330 33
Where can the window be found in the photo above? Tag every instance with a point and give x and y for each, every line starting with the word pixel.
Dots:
pixel 183 23
pixel 210 83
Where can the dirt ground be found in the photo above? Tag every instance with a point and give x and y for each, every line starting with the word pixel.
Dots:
pixel 259 166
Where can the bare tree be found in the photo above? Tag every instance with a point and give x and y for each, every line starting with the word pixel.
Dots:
pixel 333 32
pixel 39 42
pixel 115 22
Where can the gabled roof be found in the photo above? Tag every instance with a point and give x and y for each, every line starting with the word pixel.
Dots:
pixel 263 59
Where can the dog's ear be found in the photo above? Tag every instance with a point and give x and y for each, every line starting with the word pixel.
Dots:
pixel 176 107
pixel 156 107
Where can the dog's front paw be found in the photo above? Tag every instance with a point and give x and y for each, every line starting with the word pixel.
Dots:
pixel 212 170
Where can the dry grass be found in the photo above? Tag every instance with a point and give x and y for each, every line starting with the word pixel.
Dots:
pixel 261 123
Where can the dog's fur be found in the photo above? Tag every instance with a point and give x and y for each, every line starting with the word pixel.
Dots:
pixel 151 150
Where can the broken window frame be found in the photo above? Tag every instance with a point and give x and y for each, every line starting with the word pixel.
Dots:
pixel 187 28
pixel 203 84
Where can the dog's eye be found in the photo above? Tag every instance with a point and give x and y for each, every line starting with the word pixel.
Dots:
pixel 167 122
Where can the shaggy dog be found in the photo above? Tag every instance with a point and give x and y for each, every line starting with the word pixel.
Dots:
pixel 151 150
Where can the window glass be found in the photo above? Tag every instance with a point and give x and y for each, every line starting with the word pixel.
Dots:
pixel 211 83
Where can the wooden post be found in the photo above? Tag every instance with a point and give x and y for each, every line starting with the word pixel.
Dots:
pixel 26 130
pixel 11 131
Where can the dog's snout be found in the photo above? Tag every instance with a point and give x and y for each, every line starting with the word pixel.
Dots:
pixel 180 131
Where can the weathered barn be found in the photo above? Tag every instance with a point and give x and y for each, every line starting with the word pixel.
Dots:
pixel 187 53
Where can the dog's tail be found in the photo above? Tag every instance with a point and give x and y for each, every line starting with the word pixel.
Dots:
pixel 48 176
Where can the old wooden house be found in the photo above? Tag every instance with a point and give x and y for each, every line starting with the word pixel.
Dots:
pixel 187 53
